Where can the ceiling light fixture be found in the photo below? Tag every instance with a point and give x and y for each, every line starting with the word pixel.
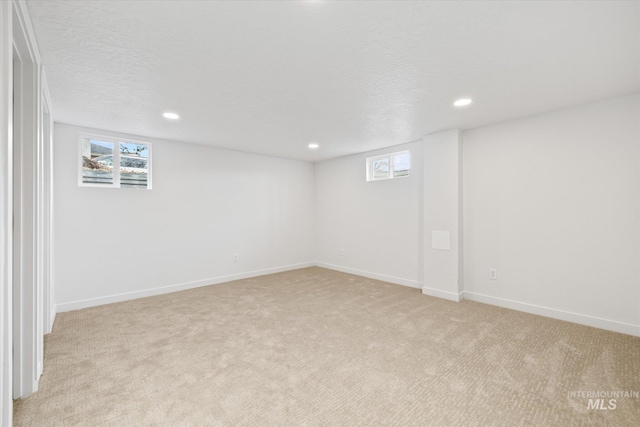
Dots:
pixel 172 116
pixel 313 145
pixel 462 102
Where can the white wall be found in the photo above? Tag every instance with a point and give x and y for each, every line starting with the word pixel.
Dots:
pixel 206 204
pixel 553 202
pixel 442 193
pixel 378 224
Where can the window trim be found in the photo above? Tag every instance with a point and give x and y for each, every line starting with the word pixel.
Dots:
pixel 390 156
pixel 116 159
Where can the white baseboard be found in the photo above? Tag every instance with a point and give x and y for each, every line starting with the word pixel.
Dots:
pixel 582 319
pixel 376 276
pixel 52 319
pixel 451 296
pixel 92 302
pixel 596 322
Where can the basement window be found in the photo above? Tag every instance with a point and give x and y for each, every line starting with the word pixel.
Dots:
pixel 388 166
pixel 114 163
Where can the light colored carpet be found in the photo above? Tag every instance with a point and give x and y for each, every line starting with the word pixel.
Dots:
pixel 317 347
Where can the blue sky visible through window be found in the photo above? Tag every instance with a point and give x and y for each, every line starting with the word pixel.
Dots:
pixel 393 165
pixel 99 156
pixel 102 144
pixel 130 148
pixel 401 162
pixel 125 147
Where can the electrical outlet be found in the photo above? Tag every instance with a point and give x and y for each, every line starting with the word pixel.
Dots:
pixel 493 274
pixel 341 251
pixel 235 258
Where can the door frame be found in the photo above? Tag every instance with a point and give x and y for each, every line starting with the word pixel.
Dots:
pixel 6 212
pixel 28 325
pixel 46 208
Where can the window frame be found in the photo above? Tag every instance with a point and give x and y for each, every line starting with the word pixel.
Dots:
pixel 369 168
pixel 116 160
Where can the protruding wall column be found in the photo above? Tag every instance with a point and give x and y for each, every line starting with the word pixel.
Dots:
pixel 442 198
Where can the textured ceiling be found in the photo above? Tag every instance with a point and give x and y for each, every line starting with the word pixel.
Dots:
pixel 271 76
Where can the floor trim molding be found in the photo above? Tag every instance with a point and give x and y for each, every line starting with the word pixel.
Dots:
pixel 376 276
pixel 92 302
pixel 451 296
pixel 52 320
pixel 582 319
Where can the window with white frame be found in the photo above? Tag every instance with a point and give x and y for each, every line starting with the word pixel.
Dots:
pixel 114 163
pixel 388 166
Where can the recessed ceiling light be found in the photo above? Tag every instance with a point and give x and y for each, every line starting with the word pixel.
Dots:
pixel 462 102
pixel 172 116
pixel 313 145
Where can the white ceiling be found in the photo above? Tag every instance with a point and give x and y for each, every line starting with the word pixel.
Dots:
pixel 271 76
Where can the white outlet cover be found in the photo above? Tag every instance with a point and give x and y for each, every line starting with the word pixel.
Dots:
pixel 441 240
